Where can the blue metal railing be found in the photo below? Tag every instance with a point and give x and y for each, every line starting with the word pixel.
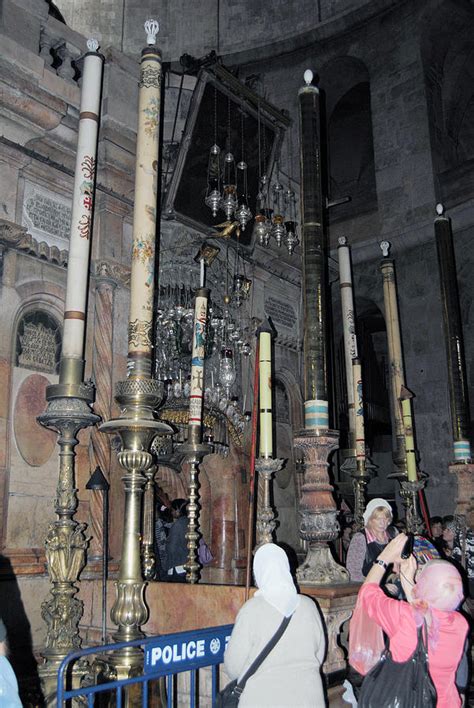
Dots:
pixel 164 656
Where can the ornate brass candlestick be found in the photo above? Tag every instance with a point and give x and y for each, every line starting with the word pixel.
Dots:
pixel 69 410
pixel 266 522
pixel 137 426
pixel 194 452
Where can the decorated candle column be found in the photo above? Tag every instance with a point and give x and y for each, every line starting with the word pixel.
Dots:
pixel 317 508
pixel 458 388
pixel 265 464
pixel 349 329
pixel 264 334
pixel 406 405
pixel 313 243
pixel 196 397
pixel 144 213
pixel 394 342
pixel 360 475
pixel 72 364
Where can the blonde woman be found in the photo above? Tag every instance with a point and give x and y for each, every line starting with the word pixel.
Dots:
pixel 366 545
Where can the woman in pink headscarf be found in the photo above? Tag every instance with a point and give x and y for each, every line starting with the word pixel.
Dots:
pixel 434 596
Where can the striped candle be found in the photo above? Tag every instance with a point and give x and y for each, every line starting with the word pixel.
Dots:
pixel 82 206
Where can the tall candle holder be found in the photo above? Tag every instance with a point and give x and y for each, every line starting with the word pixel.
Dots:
pixel 136 426
pixel 266 520
pixel 68 411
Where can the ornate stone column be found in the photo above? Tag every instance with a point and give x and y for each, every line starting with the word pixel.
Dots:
pixel 318 511
pixel 102 372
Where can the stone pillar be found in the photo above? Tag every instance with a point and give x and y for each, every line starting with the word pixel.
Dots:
pixel 102 374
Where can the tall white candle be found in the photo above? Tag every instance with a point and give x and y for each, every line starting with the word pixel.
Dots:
pixel 197 363
pixel 265 391
pixel 146 202
pixel 359 429
pixel 82 205
pixel 348 324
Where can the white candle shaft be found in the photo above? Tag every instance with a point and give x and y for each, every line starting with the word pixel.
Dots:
pixel 265 394
pixel 145 208
pixel 82 209
pixel 197 361
pixel 202 273
pixel 349 328
pixel 358 410
pixel 392 321
pixel 412 475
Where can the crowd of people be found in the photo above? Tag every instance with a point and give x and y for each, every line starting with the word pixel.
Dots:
pixel 415 599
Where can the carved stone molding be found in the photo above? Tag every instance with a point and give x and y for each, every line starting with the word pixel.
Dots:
pixel 115 273
pixel 17 238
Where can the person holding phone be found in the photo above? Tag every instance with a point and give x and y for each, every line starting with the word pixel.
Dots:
pixel 434 594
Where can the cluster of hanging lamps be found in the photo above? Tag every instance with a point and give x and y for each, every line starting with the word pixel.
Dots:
pixel 227 191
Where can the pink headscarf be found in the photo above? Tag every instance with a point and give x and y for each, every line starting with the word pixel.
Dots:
pixel 439 587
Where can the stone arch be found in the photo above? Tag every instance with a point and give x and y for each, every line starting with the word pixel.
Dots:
pixel 346 84
pixel 40 304
pixel 447 51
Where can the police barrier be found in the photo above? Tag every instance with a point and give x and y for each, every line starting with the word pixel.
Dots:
pixel 164 656
pixel 185 651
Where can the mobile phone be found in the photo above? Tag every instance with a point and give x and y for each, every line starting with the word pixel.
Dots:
pixel 408 547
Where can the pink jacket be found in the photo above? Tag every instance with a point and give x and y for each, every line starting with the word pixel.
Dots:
pixel 397 619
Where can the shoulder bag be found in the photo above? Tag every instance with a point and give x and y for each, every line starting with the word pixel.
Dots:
pixel 230 695
pixel 392 684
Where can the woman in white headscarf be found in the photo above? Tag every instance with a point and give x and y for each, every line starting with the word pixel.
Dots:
pixel 290 675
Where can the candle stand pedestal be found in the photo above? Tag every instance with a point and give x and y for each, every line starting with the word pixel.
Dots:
pixel 465 490
pixel 409 492
pixel 266 522
pixel 136 426
pixel 194 453
pixel 317 508
pixel 68 411
pixel 361 473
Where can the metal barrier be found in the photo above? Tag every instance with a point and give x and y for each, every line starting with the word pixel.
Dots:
pixel 164 656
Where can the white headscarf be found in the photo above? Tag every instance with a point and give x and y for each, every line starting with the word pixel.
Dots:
pixel 273 579
pixel 373 505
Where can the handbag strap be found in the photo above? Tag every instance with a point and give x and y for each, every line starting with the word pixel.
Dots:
pixel 263 654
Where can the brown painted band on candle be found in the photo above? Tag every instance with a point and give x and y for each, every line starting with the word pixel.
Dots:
pixel 345 285
pixel 90 115
pixel 74 315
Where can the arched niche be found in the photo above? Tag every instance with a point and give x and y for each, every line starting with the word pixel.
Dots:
pixel 346 85
pixel 447 51
pixel 288 406
pixel 38 341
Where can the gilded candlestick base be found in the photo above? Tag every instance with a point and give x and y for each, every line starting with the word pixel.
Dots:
pixel 137 426
pixel 410 490
pixel 68 412
pixel 266 522
pixel 318 512
pixel 194 453
pixel 361 471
